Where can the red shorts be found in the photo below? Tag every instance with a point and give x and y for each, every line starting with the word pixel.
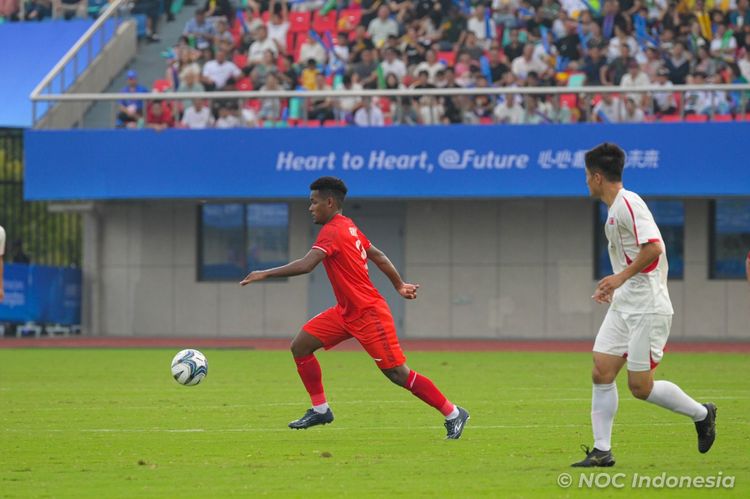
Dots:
pixel 373 329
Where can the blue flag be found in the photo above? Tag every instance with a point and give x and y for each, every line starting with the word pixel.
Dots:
pixel 583 38
pixel 484 65
pixel 545 42
pixel 488 24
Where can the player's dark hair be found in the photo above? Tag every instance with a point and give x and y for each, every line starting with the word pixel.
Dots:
pixel 330 187
pixel 607 159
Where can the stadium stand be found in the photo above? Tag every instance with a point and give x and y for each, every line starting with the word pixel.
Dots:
pixel 354 44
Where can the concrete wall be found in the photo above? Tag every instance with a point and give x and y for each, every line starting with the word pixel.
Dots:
pixel 147 282
pixel 488 269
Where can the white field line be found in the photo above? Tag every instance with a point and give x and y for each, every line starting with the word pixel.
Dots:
pixel 302 403
pixel 329 428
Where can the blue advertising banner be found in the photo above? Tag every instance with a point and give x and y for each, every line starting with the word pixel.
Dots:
pixel 686 159
pixel 42 294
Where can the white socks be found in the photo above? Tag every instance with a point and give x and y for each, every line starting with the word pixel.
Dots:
pixel 321 409
pixel 453 414
pixel 603 409
pixel 670 396
pixel 665 394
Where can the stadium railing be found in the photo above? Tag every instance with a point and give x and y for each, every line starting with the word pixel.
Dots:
pixel 588 95
pixel 70 67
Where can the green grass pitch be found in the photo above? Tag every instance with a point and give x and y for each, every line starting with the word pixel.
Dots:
pixel 113 423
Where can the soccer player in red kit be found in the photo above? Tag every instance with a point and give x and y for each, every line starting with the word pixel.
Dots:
pixel 361 312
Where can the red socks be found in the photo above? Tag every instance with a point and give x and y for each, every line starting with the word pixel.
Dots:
pixel 426 390
pixel 309 370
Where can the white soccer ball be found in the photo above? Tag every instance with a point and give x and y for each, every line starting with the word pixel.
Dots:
pixel 189 367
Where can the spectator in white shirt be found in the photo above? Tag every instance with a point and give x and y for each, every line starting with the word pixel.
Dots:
pixel 392 64
pixel 697 101
pixel 197 116
pixel 610 109
pixel 339 57
pixel 218 72
pixel 261 44
pixel 720 101
pixel 545 55
pixel 369 114
pixel 620 39
pixel 508 110
pixel 664 102
pixel 705 102
pixel 382 26
pixel 636 78
pixel 632 114
pixel 278 23
pixel 724 44
pixel 656 9
pixel 478 24
pixel 270 109
pixel 527 63
pixel 345 106
pixel 559 29
pixel 573 7
pixel 311 49
pixel 227 118
pixel 431 65
pixel 744 64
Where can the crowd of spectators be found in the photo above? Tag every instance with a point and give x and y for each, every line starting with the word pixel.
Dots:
pixel 40 10
pixel 422 44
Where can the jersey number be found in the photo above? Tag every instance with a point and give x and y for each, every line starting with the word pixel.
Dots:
pixel 362 251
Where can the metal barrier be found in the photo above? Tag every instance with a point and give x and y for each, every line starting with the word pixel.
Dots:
pixel 585 94
pixel 59 74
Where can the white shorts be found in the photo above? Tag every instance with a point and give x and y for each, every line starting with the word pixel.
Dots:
pixel 640 338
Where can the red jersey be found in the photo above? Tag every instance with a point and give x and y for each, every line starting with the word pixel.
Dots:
pixel 346 265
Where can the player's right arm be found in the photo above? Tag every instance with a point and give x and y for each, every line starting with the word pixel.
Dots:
pixel 747 267
pixel 303 265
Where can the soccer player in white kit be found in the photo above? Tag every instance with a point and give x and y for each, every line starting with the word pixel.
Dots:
pixel 637 324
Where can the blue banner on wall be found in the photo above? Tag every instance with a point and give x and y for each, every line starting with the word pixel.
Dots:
pixel 42 294
pixel 449 161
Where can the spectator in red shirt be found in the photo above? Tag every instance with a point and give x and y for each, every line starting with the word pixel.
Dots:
pixel 159 116
pixel 9 9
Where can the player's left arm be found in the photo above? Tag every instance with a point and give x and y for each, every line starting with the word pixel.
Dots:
pixel 636 220
pixel 405 289
pixel 303 265
pixel 649 252
pixel 747 267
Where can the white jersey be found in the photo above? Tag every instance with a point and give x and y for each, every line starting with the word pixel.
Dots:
pixel 2 241
pixel 629 225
